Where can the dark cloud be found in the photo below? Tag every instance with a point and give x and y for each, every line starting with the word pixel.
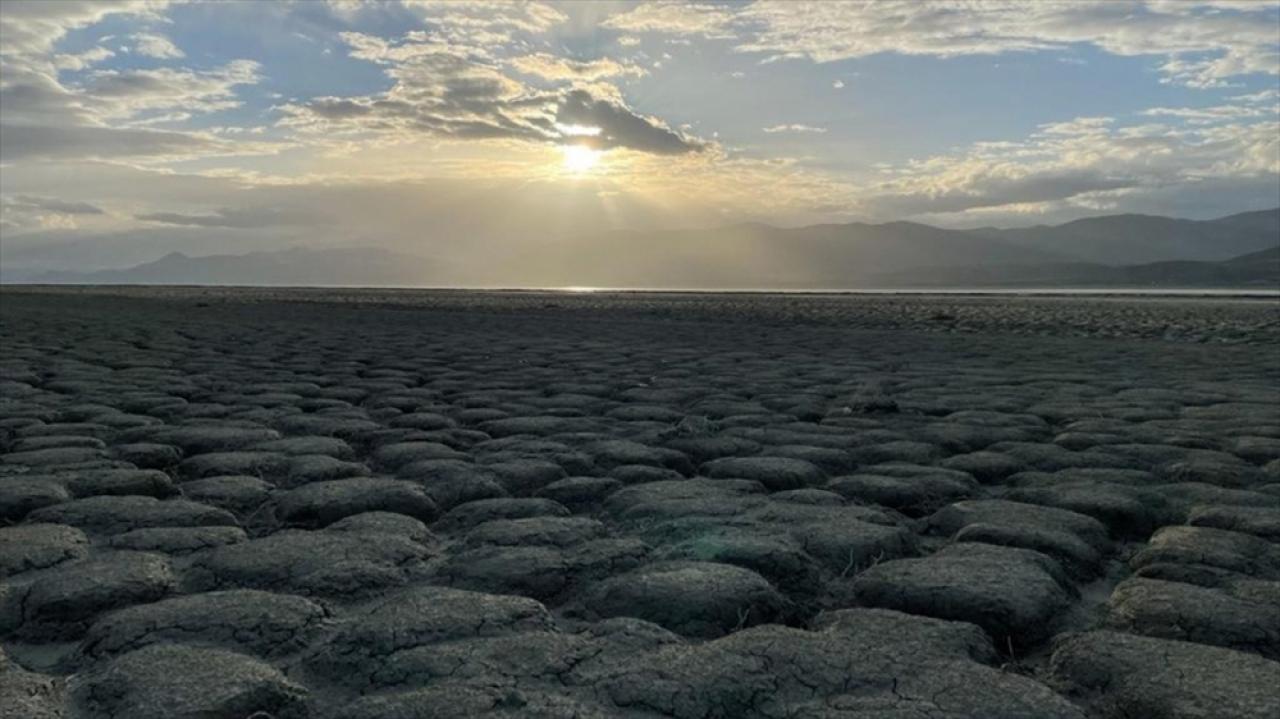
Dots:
pixel 460 92
pixel 233 218
pixel 38 100
pixel 20 142
pixel 620 127
pixel 472 109
pixel 335 108
pixel 25 212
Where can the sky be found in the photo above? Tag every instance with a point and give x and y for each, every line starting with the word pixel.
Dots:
pixel 131 129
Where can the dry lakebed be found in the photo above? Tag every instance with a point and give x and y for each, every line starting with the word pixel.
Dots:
pixel 394 504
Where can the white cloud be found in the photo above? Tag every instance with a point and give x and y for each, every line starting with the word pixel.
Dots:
pixel 1078 126
pixel 153 45
pixel 1204 45
pixel 31 27
pixel 552 67
pixel 1271 96
pixel 1205 115
pixel 1073 163
pixel 101 113
pixel 481 23
pixel 80 61
pixel 126 94
pixel 240 218
pixel 102 116
pixel 676 18
pixel 346 9
pixel 795 127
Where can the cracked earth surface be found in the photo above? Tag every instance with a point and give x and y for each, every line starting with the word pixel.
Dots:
pixel 402 504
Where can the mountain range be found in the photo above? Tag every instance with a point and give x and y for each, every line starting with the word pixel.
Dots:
pixel 293 267
pixel 1240 250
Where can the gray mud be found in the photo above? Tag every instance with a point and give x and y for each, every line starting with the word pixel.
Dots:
pixel 216 502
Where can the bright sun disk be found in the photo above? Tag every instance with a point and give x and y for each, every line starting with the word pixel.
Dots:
pixel 579 158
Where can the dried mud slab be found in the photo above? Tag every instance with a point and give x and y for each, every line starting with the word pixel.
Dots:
pixel 340 503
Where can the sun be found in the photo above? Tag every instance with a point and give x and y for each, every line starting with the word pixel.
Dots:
pixel 579 159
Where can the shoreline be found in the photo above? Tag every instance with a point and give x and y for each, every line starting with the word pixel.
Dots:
pixel 1125 292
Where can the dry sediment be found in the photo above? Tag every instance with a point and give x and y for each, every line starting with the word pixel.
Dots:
pixel 362 503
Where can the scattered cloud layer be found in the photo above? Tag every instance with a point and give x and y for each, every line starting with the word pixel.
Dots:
pixel 1087 163
pixel 1205 44
pixel 100 113
pixel 459 91
pixel 428 123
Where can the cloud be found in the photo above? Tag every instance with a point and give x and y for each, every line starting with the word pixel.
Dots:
pixel 346 9
pixel 1080 165
pixel 967 186
pixel 42 118
pixel 80 61
pixel 485 22
pixel 53 204
pixel 82 130
pixel 24 212
pixel 1270 96
pixel 1205 115
pixel 234 218
pixel 678 18
pixel 453 91
pixel 31 27
pixel 620 127
pixel 795 127
pixel 45 117
pixel 1205 43
pixel 1078 126
pixel 129 93
pixel 552 67
pixel 23 142
pixel 157 46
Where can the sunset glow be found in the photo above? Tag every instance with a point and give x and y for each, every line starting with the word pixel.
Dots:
pixel 603 358
pixel 469 129
pixel 579 159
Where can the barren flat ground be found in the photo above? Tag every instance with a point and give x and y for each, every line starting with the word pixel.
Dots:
pixel 406 504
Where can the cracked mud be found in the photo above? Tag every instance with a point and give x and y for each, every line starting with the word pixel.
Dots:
pixel 225 503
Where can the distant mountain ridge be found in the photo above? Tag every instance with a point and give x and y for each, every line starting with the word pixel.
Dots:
pixel 1240 250
pixel 1256 270
pixel 297 266
pixel 895 254
pixel 1135 239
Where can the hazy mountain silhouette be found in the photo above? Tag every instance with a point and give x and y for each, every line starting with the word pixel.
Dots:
pixel 1256 270
pixel 1118 250
pixel 1135 239
pixel 757 255
pixel 298 266
pixel 899 254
